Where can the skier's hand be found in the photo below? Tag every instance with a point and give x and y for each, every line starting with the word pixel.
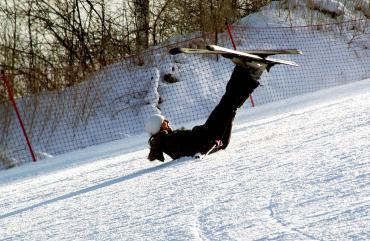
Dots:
pixel 218 143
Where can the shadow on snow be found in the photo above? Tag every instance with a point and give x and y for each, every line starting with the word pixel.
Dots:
pixel 99 186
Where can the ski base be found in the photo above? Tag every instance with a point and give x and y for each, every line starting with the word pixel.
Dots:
pixel 248 55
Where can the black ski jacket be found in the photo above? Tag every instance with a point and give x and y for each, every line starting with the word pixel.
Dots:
pixel 180 143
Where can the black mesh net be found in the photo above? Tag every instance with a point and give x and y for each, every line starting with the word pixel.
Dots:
pixel 115 101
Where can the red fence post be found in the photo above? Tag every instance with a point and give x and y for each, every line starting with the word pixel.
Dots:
pixel 228 26
pixel 11 96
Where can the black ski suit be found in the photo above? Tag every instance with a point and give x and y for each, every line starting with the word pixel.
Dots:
pixel 218 126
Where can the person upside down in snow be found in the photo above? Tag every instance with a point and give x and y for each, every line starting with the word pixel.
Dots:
pixel 215 133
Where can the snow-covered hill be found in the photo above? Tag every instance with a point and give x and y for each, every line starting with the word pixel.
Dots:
pixel 297 169
pixel 117 100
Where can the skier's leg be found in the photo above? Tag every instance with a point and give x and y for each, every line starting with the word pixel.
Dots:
pixel 226 135
pixel 219 123
pixel 219 119
pixel 241 84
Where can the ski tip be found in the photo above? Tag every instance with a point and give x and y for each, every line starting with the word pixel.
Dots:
pixel 291 63
pixel 174 51
pixel 298 51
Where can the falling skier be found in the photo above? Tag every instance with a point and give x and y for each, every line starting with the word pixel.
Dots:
pixel 215 133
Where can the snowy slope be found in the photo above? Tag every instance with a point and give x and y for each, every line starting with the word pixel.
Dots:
pixel 117 100
pixel 297 169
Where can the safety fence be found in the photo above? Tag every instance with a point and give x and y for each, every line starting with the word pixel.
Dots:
pixel 114 102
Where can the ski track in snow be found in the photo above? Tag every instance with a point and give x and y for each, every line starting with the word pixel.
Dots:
pixel 301 175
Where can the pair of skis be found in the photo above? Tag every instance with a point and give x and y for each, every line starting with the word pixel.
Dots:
pixel 262 56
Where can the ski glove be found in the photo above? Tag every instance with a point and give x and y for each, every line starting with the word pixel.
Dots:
pixel 218 143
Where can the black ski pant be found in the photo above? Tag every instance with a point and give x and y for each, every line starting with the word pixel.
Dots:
pixel 241 84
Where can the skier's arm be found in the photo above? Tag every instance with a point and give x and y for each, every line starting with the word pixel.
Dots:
pixel 155 151
pixel 155 155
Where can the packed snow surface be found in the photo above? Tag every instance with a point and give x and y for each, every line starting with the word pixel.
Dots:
pixel 297 169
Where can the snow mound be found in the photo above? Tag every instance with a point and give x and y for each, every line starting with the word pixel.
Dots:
pixel 331 6
pixel 363 6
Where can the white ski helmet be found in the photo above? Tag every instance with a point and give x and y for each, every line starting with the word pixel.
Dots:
pixel 153 124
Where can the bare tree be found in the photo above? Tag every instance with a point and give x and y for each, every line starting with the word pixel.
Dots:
pixel 53 44
pixel 141 13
